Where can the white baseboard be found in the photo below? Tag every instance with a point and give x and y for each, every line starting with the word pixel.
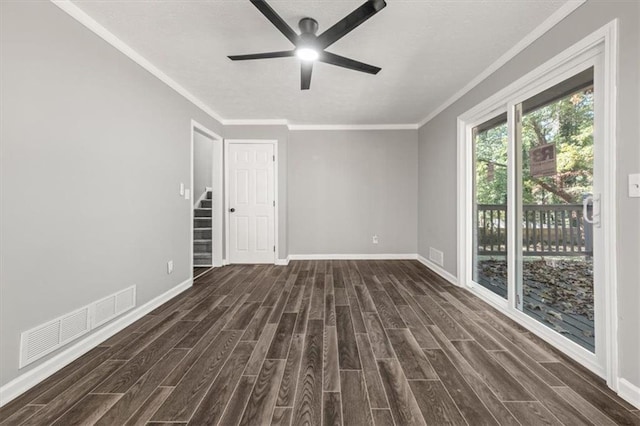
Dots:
pixel 26 381
pixel 283 262
pixel 438 270
pixel 629 392
pixel 376 256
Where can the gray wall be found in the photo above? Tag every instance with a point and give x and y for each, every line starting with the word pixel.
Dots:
pixel 202 164
pixel 345 186
pixel 281 134
pixel 437 152
pixel 93 151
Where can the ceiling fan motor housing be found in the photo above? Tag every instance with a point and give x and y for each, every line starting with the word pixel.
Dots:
pixel 308 26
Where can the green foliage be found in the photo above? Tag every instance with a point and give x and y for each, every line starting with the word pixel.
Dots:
pixel 567 123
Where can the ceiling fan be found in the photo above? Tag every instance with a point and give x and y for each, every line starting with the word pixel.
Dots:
pixel 310 47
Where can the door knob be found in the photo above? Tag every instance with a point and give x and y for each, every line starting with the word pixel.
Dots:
pixel 232 210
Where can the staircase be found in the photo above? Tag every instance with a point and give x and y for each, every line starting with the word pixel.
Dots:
pixel 202 225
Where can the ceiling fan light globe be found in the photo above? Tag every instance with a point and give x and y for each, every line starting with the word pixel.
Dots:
pixel 307 54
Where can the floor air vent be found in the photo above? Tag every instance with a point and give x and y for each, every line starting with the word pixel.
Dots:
pixel 46 338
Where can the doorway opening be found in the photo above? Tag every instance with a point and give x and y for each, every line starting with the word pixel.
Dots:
pixel 207 195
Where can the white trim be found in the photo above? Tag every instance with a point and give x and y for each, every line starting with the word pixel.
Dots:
pixel 26 381
pixel 376 256
pixel 276 236
pixel 564 11
pixel 571 60
pixel 438 270
pixel 216 225
pixel 256 122
pixel 283 262
pixel 408 126
pixel 629 392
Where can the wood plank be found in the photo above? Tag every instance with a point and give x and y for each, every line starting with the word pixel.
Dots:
pixel 382 417
pixel 260 351
pixel 356 315
pixel 243 316
pixel 308 403
pixel 477 333
pixel 203 327
pixel 404 408
pixel 379 343
pixel 532 413
pixel 386 310
pixel 281 416
pixel 235 407
pixel 22 414
pixel 73 394
pixel 377 397
pixel 316 311
pixel 265 392
pixel 497 409
pixel 584 407
pixel 347 347
pixel 329 308
pixel 341 297
pixel 282 339
pixel 184 400
pixel 412 359
pixel 150 406
pixel 543 393
pixel 87 410
pixel 289 381
pixel 355 405
pixel 435 403
pixel 423 336
pixel 254 329
pixel 498 379
pixel 592 395
pixel 137 394
pixel 331 364
pixel 303 314
pixel 471 407
pixel 366 302
pixel 212 406
pixel 449 327
pixel 332 409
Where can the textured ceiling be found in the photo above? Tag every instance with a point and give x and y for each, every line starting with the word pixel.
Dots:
pixel 427 50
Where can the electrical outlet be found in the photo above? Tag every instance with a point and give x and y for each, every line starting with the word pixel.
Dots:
pixel 169 266
pixel 374 239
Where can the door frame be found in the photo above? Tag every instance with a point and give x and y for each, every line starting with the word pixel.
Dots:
pixel 216 226
pixel 604 39
pixel 227 143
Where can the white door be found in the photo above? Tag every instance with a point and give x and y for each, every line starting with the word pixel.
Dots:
pixel 251 202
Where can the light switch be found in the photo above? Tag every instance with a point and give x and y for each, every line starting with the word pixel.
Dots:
pixel 187 194
pixel 181 188
pixel 634 185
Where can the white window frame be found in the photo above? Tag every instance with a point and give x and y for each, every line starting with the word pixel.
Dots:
pixel 600 44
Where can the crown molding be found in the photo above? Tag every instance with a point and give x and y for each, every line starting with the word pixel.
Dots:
pixel 301 127
pixel 90 23
pixel 564 11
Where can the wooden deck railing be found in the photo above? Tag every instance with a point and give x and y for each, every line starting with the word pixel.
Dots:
pixel 553 229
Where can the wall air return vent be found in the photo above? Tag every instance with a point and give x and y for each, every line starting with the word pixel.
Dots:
pixel 52 335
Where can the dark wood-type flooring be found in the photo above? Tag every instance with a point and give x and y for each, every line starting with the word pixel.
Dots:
pixel 322 342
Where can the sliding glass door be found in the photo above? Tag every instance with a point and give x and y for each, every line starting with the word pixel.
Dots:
pixel 531 226
pixel 555 193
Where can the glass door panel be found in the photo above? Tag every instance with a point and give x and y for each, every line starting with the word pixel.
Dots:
pixel 490 145
pixel 554 267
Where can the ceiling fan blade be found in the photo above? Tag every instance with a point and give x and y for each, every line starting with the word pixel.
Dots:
pixel 341 61
pixel 276 20
pixel 305 74
pixel 266 55
pixel 350 22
